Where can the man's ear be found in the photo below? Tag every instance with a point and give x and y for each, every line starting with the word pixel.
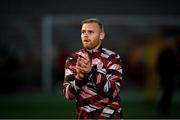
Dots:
pixel 102 35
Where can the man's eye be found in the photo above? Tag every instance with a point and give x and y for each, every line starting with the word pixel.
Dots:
pixel 90 32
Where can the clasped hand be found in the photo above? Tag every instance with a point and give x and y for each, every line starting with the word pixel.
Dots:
pixel 83 66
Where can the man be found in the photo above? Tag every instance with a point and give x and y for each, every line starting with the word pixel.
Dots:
pixel 167 68
pixel 93 76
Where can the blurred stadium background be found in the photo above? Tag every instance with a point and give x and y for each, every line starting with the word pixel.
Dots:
pixel 37 36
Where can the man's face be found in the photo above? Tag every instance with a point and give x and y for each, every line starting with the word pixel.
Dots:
pixel 91 35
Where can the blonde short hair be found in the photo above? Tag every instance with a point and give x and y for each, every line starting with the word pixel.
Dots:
pixel 95 20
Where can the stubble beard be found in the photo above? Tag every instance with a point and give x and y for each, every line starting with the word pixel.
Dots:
pixel 87 46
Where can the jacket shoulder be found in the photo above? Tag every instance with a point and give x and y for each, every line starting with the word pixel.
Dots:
pixel 110 53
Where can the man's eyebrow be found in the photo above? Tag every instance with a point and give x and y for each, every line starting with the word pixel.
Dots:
pixel 87 30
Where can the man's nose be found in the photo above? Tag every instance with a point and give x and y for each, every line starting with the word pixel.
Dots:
pixel 85 34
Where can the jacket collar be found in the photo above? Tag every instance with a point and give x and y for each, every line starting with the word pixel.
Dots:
pixel 95 50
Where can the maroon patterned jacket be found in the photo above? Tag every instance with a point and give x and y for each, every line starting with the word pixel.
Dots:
pixel 97 95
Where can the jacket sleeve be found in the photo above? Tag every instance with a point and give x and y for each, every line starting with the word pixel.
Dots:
pixel 110 86
pixel 71 86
